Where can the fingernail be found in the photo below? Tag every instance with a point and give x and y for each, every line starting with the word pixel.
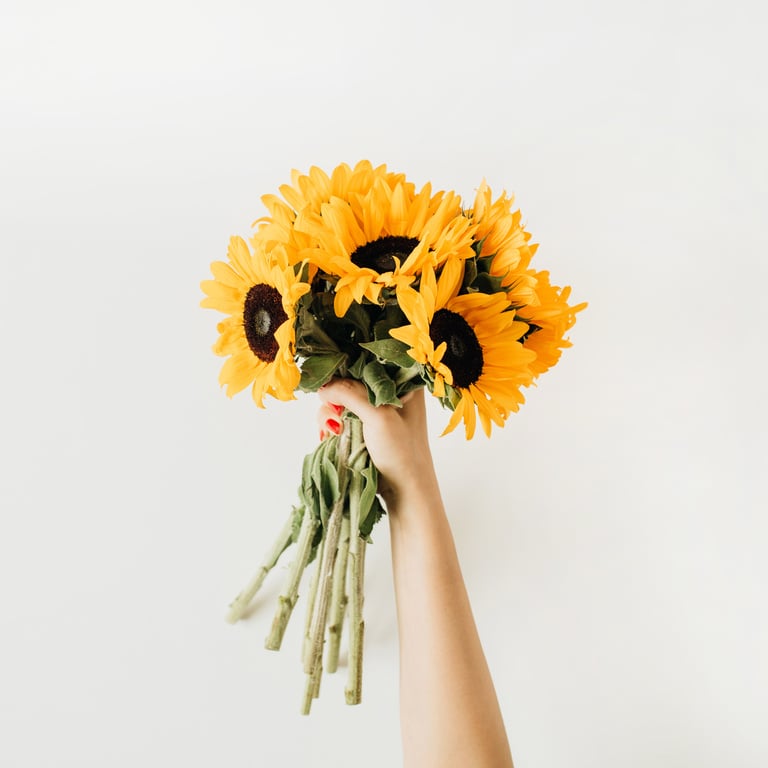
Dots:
pixel 337 408
pixel 322 435
pixel 334 426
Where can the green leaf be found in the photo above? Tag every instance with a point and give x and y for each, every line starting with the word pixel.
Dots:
pixel 368 494
pixel 408 379
pixel 302 272
pixel 488 283
pixel 318 370
pixel 355 371
pixel 390 351
pixel 391 317
pixel 470 273
pixel 311 336
pixel 310 498
pixel 381 388
pixel 373 517
pixel 305 489
pixel 329 487
pixel 478 245
pixel 316 468
pixel 484 264
pixel 325 482
pixel 452 397
pixel 358 319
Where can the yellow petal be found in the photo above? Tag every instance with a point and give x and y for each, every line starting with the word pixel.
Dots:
pixel 450 282
pixel 238 372
pixel 342 301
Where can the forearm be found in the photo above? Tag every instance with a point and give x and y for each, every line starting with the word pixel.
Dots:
pixel 449 711
pixel 448 708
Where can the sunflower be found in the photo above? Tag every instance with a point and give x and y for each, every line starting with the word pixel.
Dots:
pixel 549 317
pixel 259 293
pixel 383 237
pixel 500 235
pixel 470 345
pixel 310 191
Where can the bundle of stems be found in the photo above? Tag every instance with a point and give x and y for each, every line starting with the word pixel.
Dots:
pixel 330 527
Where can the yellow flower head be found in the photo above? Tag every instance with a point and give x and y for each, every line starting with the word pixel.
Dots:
pixel 309 192
pixel 259 293
pixel 544 307
pixel 501 236
pixel 549 317
pixel 470 343
pixel 383 237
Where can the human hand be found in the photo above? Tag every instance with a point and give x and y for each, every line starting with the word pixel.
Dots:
pixel 396 438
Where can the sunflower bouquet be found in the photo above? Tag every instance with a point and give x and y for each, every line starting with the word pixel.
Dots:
pixel 359 274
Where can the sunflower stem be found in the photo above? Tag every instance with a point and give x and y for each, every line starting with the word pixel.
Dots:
pixel 355 568
pixel 290 592
pixel 354 688
pixel 313 658
pixel 311 689
pixel 306 702
pixel 333 530
pixel 338 599
pixel 240 604
pixel 311 602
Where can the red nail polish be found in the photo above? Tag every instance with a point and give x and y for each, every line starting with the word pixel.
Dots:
pixel 337 408
pixel 322 435
pixel 334 426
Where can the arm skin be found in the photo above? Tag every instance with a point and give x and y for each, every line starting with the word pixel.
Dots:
pixel 449 712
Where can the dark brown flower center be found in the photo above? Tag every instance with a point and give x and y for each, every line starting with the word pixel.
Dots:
pixel 463 354
pixel 263 314
pixel 379 255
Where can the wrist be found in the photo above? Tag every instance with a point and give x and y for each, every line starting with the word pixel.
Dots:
pixel 416 498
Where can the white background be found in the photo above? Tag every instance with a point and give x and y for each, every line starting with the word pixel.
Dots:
pixel 613 535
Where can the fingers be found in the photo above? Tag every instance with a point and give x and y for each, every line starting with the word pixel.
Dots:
pixel 339 394
pixel 329 419
pixel 350 394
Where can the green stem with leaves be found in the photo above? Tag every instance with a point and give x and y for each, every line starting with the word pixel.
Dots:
pixel 314 655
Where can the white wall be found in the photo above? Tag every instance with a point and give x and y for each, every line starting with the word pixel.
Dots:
pixel 613 535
